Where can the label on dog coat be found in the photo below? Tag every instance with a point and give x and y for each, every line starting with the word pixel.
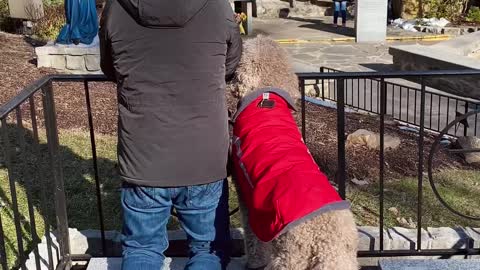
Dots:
pixel 279 181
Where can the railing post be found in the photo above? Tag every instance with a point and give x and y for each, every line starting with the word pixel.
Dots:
pixel 465 125
pixel 420 165
pixel 57 172
pixel 322 70
pixel 95 167
pixel 43 196
pixel 383 111
pixel 302 90
pixel 3 253
pixel 9 161
pixel 341 173
pixel 28 182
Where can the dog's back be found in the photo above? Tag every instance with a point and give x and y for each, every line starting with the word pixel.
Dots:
pixel 280 182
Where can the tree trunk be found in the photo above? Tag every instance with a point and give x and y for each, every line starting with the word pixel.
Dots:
pixel 397 7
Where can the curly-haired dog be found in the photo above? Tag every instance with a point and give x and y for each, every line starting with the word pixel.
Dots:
pixel 293 218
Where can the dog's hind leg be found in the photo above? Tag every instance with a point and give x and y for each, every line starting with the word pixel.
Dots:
pixel 258 252
pixel 289 252
pixel 336 240
pixel 326 242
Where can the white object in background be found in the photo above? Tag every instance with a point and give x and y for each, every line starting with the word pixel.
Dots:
pixel 371 21
pixel 435 22
pixel 26 9
pixel 405 25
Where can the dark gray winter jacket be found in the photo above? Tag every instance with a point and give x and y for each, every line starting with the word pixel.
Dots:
pixel 170 60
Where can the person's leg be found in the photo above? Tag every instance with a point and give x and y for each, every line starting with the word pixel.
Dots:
pixel 389 11
pixel 344 12
pixel 146 212
pixel 336 11
pixel 203 214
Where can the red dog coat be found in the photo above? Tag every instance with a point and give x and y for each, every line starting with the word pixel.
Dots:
pixel 279 181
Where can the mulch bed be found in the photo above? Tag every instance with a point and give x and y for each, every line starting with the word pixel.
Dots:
pixel 17 70
pixel 364 163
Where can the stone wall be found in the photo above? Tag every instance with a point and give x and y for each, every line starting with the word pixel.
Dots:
pixel 76 60
pixel 397 238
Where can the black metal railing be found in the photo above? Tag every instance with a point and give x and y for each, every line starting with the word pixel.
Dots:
pixel 341 91
pixel 403 102
pixel 38 103
pixel 38 99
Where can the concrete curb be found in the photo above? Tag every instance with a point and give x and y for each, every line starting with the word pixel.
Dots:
pixel 352 39
pixel 398 238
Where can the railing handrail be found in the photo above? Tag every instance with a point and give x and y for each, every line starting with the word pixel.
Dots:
pixel 32 88
pixel 441 93
pixel 35 86
pixel 44 85
pixel 387 74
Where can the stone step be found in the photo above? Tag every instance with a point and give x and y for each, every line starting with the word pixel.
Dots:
pixel 171 264
pixel 402 264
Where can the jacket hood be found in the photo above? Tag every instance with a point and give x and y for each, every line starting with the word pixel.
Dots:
pixel 163 13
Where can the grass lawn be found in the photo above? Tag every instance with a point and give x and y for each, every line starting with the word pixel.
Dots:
pixel 457 186
pixel 32 171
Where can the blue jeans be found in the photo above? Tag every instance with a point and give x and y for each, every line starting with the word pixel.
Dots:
pixel 340 7
pixel 202 212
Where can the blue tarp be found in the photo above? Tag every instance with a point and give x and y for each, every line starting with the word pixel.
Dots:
pixel 82 22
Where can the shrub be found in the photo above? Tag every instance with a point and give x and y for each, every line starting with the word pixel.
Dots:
pixel 53 2
pixel 3 9
pixel 449 9
pixel 48 27
pixel 474 15
pixel 5 21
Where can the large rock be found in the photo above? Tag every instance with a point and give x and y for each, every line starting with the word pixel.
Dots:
pixel 372 140
pixel 316 91
pixel 469 143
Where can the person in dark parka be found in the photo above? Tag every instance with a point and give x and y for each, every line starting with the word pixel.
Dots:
pixel 170 60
